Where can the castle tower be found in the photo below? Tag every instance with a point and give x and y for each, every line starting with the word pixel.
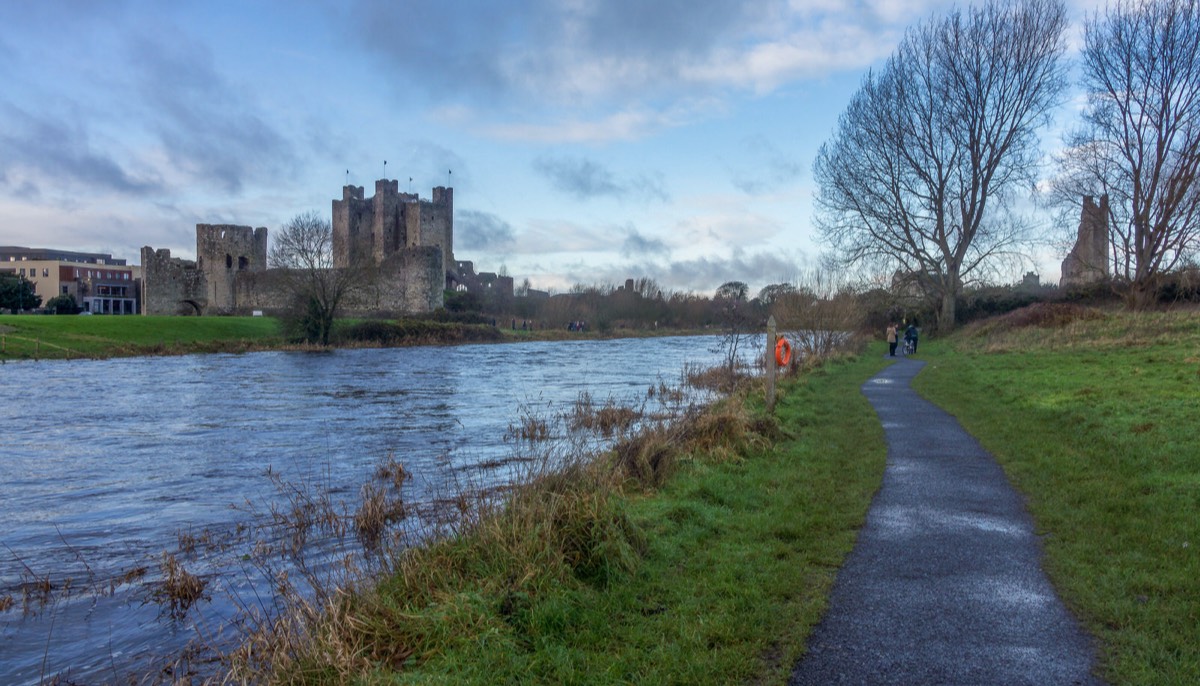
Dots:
pixel 222 252
pixel 437 223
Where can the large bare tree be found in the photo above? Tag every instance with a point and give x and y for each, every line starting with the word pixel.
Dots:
pixel 925 161
pixel 302 251
pixel 1140 142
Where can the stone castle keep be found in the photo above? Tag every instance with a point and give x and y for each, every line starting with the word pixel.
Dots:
pixel 406 241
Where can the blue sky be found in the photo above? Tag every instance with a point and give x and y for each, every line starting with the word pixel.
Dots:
pixel 587 140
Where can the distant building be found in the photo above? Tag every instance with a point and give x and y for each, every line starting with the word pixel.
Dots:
pixel 100 283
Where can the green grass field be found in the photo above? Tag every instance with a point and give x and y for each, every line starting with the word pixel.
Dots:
pixel 1097 421
pixel 67 337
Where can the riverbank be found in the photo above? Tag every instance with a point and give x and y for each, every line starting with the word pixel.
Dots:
pixel 699 553
pixel 47 337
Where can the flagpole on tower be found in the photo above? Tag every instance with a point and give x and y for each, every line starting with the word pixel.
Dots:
pixel 385 169
pixel 449 173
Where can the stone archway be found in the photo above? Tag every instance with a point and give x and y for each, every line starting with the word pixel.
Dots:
pixel 188 308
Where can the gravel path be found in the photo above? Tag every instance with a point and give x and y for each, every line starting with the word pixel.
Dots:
pixel 944 585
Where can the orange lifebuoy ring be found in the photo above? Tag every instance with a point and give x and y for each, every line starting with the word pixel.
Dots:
pixel 783 352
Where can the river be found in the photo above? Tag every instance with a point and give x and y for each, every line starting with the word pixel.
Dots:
pixel 106 463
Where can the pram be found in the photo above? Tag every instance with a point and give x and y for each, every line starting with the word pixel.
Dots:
pixel 909 347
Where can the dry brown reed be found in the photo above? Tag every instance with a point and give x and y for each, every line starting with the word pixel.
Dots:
pixel 179 589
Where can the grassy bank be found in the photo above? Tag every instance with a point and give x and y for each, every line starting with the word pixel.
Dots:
pixel 65 337
pixel 699 554
pixel 1094 417
pixel 44 337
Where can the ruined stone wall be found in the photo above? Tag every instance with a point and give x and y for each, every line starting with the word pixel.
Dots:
pixel 171 285
pixel 407 282
pixel 1087 262
pixel 263 291
pixel 222 252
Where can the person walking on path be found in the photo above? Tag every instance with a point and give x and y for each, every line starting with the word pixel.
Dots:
pixel 944 584
pixel 910 337
pixel 892 339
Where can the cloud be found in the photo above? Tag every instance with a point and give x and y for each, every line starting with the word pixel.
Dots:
pixel 615 69
pixel 483 231
pixel 210 129
pixel 627 123
pixel 44 148
pixel 767 167
pixel 585 179
pixel 546 237
pixel 637 245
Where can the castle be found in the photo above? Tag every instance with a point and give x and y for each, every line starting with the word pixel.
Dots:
pixel 406 241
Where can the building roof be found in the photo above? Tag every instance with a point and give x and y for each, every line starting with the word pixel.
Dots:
pixel 15 253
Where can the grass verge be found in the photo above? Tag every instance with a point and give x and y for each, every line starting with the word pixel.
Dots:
pixel 1094 418
pixel 702 553
pixel 61 337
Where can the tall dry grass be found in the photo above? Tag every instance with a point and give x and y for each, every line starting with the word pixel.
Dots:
pixel 496 549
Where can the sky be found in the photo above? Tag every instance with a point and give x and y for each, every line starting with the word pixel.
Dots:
pixel 587 141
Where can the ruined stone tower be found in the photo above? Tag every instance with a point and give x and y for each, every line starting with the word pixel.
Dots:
pixel 1087 262
pixel 224 251
pixel 225 254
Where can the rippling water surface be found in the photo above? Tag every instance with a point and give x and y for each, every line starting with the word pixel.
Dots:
pixel 105 462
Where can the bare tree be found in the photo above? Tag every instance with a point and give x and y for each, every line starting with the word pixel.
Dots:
pixel 1140 142
pixel 303 252
pixel 819 313
pixel 922 168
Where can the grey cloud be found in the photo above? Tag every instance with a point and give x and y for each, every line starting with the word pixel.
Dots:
pixel 584 179
pixel 766 168
pixel 504 53
pixel 208 128
pixel 62 151
pixel 483 231
pixel 443 49
pixel 637 245
pixel 680 27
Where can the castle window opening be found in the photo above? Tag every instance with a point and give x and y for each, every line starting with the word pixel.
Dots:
pixel 228 257
pixel 242 262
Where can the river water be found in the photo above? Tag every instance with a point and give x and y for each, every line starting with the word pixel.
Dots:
pixel 106 463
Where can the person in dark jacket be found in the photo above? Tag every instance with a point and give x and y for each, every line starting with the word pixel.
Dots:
pixel 910 336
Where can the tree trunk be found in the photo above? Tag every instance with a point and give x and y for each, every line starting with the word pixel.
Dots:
pixel 1142 295
pixel 947 315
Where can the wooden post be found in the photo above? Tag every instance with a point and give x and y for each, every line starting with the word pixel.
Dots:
pixel 771 365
